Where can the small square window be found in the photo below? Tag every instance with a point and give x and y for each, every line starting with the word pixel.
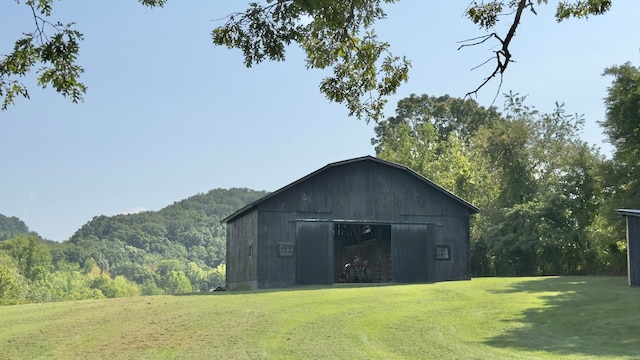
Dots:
pixel 443 252
pixel 285 249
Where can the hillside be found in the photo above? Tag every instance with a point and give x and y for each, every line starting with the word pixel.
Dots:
pixel 187 231
pixel 178 249
pixel 11 226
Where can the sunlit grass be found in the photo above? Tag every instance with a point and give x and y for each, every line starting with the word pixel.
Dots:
pixel 489 318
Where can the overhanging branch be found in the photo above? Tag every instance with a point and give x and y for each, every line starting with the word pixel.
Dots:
pixel 502 56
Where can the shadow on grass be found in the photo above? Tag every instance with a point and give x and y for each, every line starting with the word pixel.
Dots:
pixel 580 316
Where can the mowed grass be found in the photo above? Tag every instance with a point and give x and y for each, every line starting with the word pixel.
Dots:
pixel 486 318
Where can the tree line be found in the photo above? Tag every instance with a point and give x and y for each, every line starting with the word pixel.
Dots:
pixel 178 249
pixel 547 198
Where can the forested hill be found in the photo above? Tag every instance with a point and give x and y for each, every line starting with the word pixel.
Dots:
pixel 188 231
pixel 178 249
pixel 11 226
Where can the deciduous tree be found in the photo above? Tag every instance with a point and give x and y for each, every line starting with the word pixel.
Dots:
pixel 31 255
pixel 537 184
pixel 12 284
pixel 178 283
pixel 622 127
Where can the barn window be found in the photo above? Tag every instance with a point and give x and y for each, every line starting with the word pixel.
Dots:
pixel 285 249
pixel 443 252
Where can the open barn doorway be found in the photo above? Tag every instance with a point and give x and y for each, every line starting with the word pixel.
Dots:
pixel 362 252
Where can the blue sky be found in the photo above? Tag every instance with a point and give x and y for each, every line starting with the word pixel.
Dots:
pixel 168 115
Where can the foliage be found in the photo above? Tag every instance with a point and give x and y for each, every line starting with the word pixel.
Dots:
pixel 486 15
pixel 11 226
pixel 12 284
pixel 334 34
pixel 550 193
pixel 179 249
pixel 31 256
pixel 151 288
pixel 178 283
pixel 432 135
pixel 68 282
pixel 217 277
pixel 621 173
pixel 539 187
pixel 10 290
pixel 581 9
pixel 56 54
pixel 622 127
pixel 186 236
pixel 489 318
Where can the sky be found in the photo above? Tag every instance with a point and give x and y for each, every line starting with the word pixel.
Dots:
pixel 168 115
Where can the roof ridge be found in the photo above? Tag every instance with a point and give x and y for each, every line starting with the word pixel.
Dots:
pixel 344 162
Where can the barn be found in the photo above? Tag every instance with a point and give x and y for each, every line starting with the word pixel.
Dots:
pixel 398 225
pixel 633 244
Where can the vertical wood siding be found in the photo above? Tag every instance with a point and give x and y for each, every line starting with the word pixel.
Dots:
pixel 366 191
pixel 275 228
pixel 314 253
pixel 633 249
pixel 242 238
pixel 453 232
pixel 363 192
pixel 411 253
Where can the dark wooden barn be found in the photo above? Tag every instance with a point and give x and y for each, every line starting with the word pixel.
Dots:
pixel 405 227
pixel 633 245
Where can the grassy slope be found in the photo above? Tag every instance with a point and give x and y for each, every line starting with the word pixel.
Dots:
pixel 490 318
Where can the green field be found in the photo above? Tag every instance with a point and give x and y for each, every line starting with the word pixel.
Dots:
pixel 486 318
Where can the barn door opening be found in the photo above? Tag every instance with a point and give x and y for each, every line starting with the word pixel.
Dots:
pixel 314 253
pixel 370 245
pixel 410 248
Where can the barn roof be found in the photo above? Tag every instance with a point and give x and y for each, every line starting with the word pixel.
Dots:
pixel 252 205
pixel 628 212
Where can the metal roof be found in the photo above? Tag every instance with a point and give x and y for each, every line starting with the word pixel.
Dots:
pixel 628 212
pixel 250 206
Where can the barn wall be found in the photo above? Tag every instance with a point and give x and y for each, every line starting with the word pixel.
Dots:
pixel 633 249
pixel 242 252
pixel 366 190
pixel 361 191
pixel 453 232
pixel 276 229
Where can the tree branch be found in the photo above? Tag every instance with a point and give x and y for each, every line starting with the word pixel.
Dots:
pixel 483 37
pixel 502 56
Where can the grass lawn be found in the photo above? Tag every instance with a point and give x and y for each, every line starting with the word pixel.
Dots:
pixel 485 318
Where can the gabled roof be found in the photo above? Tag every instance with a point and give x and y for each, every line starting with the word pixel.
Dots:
pixel 252 205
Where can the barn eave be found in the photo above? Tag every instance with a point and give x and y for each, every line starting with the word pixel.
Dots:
pixel 628 212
